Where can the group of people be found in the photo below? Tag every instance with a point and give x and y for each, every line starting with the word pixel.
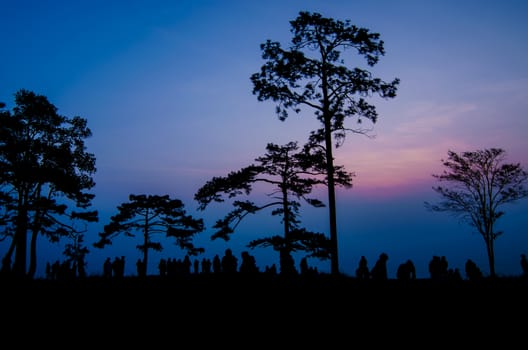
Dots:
pixel 406 270
pixel 228 263
pixel 438 267
pixel 114 268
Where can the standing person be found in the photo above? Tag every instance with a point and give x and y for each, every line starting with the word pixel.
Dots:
pixel 443 268
pixel 303 266
pixel 248 264
pixel 107 268
pixel 411 269
pixel 206 265
pixel 162 267
pixel 362 271
pixel 379 271
pixel 435 267
pixel 406 271
pixel 229 262
pixel 524 265
pixel 217 264
pixel 118 267
pixel 473 272
pixel 141 268
pixel 196 266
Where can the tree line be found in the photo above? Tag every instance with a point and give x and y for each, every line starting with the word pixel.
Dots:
pixel 46 172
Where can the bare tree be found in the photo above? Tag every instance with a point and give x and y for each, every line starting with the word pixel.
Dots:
pixel 480 184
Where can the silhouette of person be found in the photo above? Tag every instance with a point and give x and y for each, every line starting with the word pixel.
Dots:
pixel 48 270
pixel 186 265
pixel 81 268
pixel 303 266
pixel 141 268
pixel 107 268
pixel 473 272
pixel 206 265
pixel 271 270
pixel 406 271
pixel 411 269
pixel 196 266
pixel 524 265
pixel 435 267
pixel 379 271
pixel 249 264
pixel 229 262
pixel 286 263
pixel 217 264
pixel 362 271
pixel 162 267
pixel 454 274
pixel 118 267
pixel 443 267
pixel 171 267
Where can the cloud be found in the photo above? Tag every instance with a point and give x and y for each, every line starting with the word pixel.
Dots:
pixel 429 118
pixel 405 154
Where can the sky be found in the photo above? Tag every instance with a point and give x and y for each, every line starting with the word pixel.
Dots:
pixel 165 87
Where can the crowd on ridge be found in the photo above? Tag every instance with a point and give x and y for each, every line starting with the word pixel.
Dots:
pixel 438 268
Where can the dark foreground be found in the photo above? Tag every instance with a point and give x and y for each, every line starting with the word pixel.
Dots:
pixel 302 310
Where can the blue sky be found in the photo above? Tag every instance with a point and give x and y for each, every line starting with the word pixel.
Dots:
pixel 165 88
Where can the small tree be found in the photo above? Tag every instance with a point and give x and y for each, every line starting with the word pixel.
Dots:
pixel 480 184
pixel 76 254
pixel 292 175
pixel 312 74
pixel 152 215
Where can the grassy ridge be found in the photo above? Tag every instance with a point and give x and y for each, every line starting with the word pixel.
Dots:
pixel 325 310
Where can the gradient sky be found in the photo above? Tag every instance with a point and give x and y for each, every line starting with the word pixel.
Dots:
pixel 165 88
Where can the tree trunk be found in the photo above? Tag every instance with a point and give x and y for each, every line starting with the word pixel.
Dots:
pixel 33 254
pixel 19 265
pixel 491 257
pixel 145 243
pixel 331 196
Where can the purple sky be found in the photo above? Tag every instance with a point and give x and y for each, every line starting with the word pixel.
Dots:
pixel 165 88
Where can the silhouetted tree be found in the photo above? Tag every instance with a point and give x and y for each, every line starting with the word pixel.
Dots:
pixel 76 254
pixel 44 167
pixel 292 174
pixel 151 215
pixel 480 183
pixel 312 74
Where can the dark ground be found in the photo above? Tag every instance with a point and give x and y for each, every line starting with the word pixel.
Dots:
pixel 266 311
